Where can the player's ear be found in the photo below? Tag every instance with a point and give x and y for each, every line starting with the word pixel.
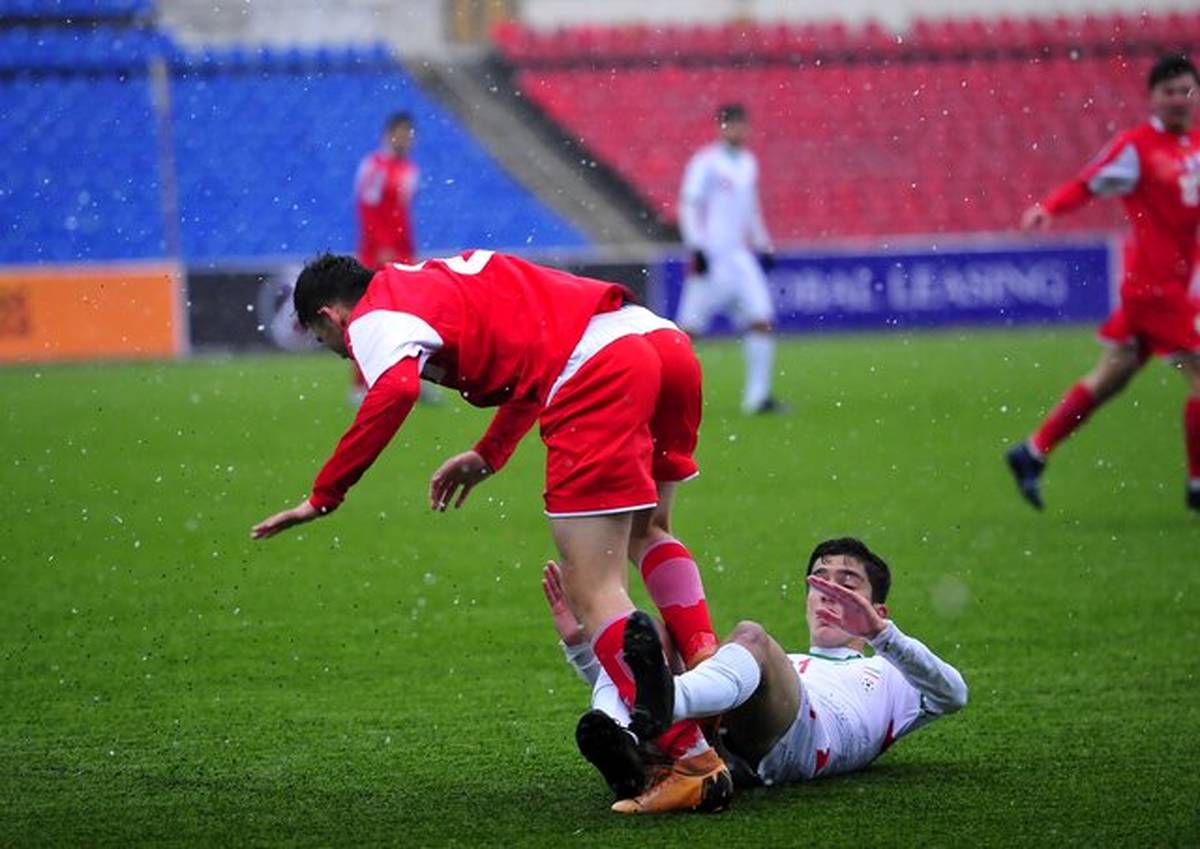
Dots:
pixel 330 314
pixel 881 609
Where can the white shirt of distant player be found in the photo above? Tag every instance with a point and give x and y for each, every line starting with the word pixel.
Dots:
pixel 719 208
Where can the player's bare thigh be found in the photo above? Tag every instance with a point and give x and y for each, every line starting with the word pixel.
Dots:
pixel 755 727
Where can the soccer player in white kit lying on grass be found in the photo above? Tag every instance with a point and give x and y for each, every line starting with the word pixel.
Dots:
pixel 721 222
pixel 785 717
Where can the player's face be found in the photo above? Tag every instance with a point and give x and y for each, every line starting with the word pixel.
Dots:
pixel 400 138
pixel 850 574
pixel 330 334
pixel 734 132
pixel 1174 101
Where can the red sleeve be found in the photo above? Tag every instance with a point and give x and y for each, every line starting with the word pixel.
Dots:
pixel 1067 197
pixel 1075 193
pixel 382 412
pixel 511 422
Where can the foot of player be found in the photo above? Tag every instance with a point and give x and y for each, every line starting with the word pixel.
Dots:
pixel 643 780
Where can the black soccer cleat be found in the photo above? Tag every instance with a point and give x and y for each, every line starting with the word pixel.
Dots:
pixel 1193 496
pixel 1027 469
pixel 613 752
pixel 771 406
pixel 654 703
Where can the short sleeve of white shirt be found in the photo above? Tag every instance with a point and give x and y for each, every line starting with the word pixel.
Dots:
pixel 382 338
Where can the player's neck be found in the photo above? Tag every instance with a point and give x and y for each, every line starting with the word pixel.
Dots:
pixel 855 645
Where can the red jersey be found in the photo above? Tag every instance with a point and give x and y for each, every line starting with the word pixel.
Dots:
pixel 1157 175
pixel 383 190
pixel 495 327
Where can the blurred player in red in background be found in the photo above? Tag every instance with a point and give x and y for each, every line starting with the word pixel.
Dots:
pixel 616 390
pixel 1155 169
pixel 383 191
pixel 384 187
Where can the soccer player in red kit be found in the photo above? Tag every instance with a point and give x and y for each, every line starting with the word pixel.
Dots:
pixel 1155 169
pixel 383 191
pixel 616 391
pixel 384 187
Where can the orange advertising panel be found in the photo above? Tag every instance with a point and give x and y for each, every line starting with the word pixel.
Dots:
pixel 82 312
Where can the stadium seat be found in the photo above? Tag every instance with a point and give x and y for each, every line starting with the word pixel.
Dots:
pixel 955 126
pixel 265 143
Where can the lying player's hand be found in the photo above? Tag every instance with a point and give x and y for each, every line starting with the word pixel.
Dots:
pixel 1035 218
pixel 568 627
pixel 298 515
pixel 858 616
pixel 458 475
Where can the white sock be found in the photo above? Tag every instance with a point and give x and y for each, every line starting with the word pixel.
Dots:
pixel 721 683
pixel 759 350
pixel 606 697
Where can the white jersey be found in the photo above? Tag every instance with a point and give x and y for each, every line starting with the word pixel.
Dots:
pixel 852 708
pixel 719 209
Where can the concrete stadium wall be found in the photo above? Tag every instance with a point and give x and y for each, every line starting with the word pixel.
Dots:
pixel 423 27
pixel 896 14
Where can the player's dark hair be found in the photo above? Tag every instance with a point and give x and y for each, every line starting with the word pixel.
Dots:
pixel 730 112
pixel 1169 67
pixel 878 574
pixel 329 279
pixel 398 119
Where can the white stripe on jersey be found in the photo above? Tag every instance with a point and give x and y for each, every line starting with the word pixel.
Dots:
pixel 1118 177
pixel 382 338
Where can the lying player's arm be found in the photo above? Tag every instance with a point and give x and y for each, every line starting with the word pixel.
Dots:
pixel 942 688
pixel 463 471
pixel 383 410
pixel 575 645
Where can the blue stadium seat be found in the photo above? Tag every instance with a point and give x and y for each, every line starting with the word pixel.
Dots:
pixel 90 9
pixel 79 171
pixel 266 142
pixel 266 161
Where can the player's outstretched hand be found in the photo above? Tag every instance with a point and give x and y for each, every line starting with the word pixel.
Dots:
pixel 568 627
pixel 858 616
pixel 1035 218
pixel 459 475
pixel 298 515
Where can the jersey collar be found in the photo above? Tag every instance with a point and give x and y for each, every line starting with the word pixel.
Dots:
pixel 839 653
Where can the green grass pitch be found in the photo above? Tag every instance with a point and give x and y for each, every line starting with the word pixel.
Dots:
pixel 389 676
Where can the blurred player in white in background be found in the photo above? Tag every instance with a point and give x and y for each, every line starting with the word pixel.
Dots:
pixel 721 222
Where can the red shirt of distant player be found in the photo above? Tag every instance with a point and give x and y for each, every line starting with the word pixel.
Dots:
pixel 383 191
pixel 1156 173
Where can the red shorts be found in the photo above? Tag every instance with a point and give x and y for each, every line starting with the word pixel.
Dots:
pixel 627 420
pixel 1165 325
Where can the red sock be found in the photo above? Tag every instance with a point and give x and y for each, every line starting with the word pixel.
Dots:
pixel 673 581
pixel 609 647
pixel 1191 435
pixel 1071 412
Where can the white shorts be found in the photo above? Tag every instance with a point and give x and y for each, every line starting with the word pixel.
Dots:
pixel 735 286
pixel 802 751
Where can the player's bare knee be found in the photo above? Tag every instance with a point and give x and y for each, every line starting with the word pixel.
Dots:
pixel 753 637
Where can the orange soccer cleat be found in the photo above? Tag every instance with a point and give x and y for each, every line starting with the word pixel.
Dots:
pixel 698 783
